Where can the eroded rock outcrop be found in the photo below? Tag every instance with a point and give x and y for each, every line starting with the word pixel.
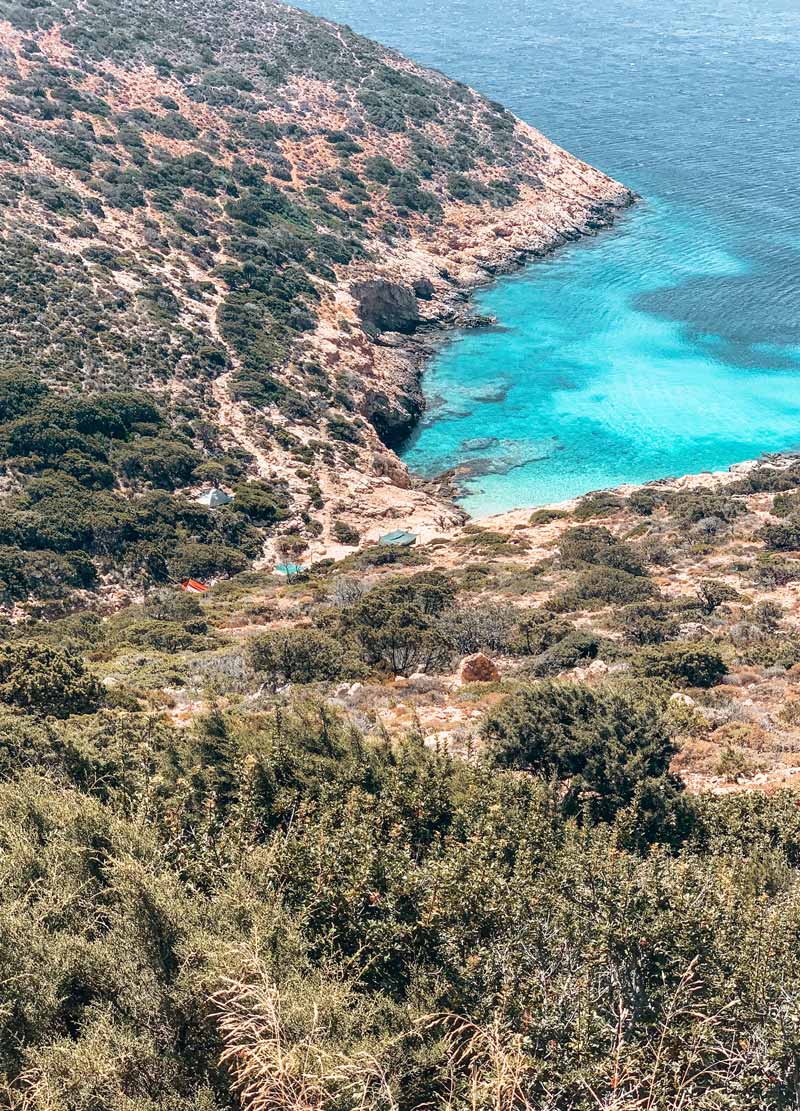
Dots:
pixel 393 418
pixel 385 306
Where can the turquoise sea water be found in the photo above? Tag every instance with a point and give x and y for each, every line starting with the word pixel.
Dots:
pixel 672 343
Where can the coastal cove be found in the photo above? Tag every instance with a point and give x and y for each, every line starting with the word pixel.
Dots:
pixel 669 345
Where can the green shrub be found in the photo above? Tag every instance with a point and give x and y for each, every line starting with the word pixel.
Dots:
pixel 602 586
pixel 694 506
pixel 487 626
pixel 606 749
pixel 689 665
pixel 647 623
pixel 771 651
pixel 346 534
pixel 602 504
pixel 714 593
pixel 782 537
pixel 567 652
pixel 546 516
pixel 259 501
pixel 44 680
pixel 395 624
pixel 166 463
pixel 192 560
pixel 643 502
pixel 299 655
pixel 594 545
pixel 770 571
pixel 537 630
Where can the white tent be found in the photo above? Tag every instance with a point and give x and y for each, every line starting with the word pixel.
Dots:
pixel 214 498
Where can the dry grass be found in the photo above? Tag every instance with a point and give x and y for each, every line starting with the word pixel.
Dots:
pixel 487 1067
pixel 280 1056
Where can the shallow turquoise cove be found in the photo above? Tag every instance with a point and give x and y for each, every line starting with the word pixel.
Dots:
pixel 582 386
pixel 671 344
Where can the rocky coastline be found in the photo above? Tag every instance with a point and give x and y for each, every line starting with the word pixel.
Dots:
pixel 415 333
pixel 399 313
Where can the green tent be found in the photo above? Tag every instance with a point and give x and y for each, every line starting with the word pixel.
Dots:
pixel 289 569
pixel 399 538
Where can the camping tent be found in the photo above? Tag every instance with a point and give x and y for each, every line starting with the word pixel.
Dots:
pixel 399 539
pixel 193 586
pixel 289 569
pixel 213 498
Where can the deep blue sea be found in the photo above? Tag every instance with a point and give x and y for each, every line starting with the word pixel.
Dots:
pixel 671 344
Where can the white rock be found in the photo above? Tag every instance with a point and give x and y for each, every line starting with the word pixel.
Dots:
pixel 685 699
pixel 419 681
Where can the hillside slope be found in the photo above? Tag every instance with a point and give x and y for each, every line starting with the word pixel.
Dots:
pixel 418 829
pixel 257 216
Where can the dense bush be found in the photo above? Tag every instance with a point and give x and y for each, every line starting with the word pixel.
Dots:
pixel 602 586
pixel 697 505
pixel 79 459
pixel 691 665
pixel 44 680
pixel 299 655
pixel 647 623
pixel 293 881
pixel 602 504
pixel 346 534
pixel 260 502
pixel 396 624
pixel 489 626
pixel 538 630
pixel 606 749
pixel 566 651
pixel 783 536
pixel 193 560
pixel 713 593
pixel 595 545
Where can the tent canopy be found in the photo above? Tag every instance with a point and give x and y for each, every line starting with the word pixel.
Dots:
pixel 214 497
pixel 399 538
pixel 289 569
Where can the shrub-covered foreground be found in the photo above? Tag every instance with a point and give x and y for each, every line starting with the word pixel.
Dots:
pixel 270 910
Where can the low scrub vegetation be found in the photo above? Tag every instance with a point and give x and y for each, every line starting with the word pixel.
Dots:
pixel 274 904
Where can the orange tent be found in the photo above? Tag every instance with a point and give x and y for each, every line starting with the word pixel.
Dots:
pixel 193 586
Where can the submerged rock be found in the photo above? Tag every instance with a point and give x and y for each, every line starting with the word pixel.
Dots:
pixel 479 443
pixel 495 391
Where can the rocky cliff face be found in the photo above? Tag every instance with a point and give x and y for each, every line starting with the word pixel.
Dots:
pixel 262 219
pixel 387 306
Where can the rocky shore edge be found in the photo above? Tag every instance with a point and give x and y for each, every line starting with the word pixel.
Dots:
pixel 415 339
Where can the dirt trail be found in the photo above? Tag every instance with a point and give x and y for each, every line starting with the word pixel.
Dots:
pixel 234 421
